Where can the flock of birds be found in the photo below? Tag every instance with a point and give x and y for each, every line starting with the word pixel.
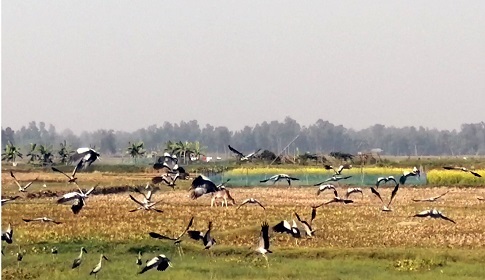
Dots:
pixel 170 171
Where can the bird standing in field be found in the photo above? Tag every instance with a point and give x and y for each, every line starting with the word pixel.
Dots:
pixel 279 177
pixel 386 208
pixel 97 268
pixel 87 156
pixel 161 262
pixel 263 247
pixel 307 226
pixel 251 201
pixel 206 237
pixel 21 189
pixel 138 259
pixel 433 213
pixel 177 240
pixel 43 219
pixel 77 261
pixel 430 199
pixel 464 169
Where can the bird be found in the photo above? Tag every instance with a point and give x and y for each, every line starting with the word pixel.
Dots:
pixel 323 187
pixel 278 177
pixel 336 198
pixel 168 159
pixel 20 255
pixel 162 167
pixel 148 196
pixel 285 227
pixel 5 200
pixel 385 180
pixel 480 198
pixel 263 247
pixel 138 259
pixel 354 190
pixel 430 199
pixel 252 201
pixel 77 261
pixel 21 189
pixel 97 268
pixel 406 174
pixel 464 169
pixel 161 262
pixel 7 235
pixel 433 213
pixel 87 156
pixel 386 208
pixel 202 185
pixel 43 219
pixel 206 237
pixel 146 205
pixel 334 178
pixel 168 178
pixel 54 251
pixel 77 206
pixel 71 178
pixel 241 156
pixel 177 239
pixel 339 170
pixel 78 199
pixel 307 226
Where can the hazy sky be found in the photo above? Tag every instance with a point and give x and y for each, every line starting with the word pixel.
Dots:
pixel 125 65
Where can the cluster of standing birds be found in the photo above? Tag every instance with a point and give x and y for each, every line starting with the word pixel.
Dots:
pixel 170 171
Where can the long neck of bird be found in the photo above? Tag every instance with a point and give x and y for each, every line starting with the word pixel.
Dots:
pixel 81 254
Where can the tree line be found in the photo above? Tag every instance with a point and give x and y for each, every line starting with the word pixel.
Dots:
pixel 287 137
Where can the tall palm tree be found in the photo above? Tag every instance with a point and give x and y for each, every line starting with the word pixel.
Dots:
pixel 182 149
pixel 196 149
pixel 33 155
pixel 45 154
pixel 11 153
pixel 65 152
pixel 135 150
pixel 171 147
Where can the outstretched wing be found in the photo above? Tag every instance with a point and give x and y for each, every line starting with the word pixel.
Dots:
pixel 314 213
pixel 235 151
pixel 15 179
pixel 195 234
pixel 244 202
pixel 57 170
pixel 135 200
pixel 475 174
pixel 447 219
pixel 159 236
pixel 187 228
pixel 374 191
pixel 393 194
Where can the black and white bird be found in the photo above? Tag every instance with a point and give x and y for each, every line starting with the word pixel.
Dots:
pixel 24 188
pixel 383 180
pixel 206 237
pixel 335 199
pixel 415 172
pixel 241 156
pixel 278 177
pixel 177 239
pixel 78 199
pixel 339 170
pixel 386 208
pixel 71 178
pixel 77 261
pixel 464 169
pixel 307 226
pixel 161 262
pixel 145 205
pixel 334 178
pixel 168 159
pixel 169 179
pixel 86 156
pixel 43 219
pixel 433 213
pixel 5 200
pixel 263 247
pixel 251 201
pixel 202 185
pixel 97 268
pixel 354 190
pixel 430 199
pixel 285 227
pixel 324 187
pixel 138 259
pixel 7 235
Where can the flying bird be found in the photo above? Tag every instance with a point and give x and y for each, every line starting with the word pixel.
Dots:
pixel 5 200
pixel 307 226
pixel 433 213
pixel 21 189
pixel 385 180
pixel 202 185
pixel 353 190
pixel 386 208
pixel 87 156
pixel 339 170
pixel 430 199
pixel 71 178
pixel 43 219
pixel 206 237
pixel 325 187
pixel 334 178
pixel 161 262
pixel 97 268
pixel 285 227
pixel 146 205
pixel 252 201
pixel 415 172
pixel 77 261
pixel 278 177
pixel 78 199
pixel 464 169
pixel 241 156
pixel 177 239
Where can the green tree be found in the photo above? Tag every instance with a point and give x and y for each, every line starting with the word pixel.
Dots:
pixel 196 149
pixel 64 152
pixel 11 153
pixel 183 149
pixel 33 155
pixel 45 154
pixel 171 147
pixel 135 150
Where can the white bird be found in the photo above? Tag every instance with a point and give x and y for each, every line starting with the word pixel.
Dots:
pixel 263 247
pixel 22 189
pixel 324 187
pixel 202 185
pixel 354 190
pixel 148 196
pixel 77 197
pixel 406 174
pixel 43 219
pixel 138 259
pixel 285 227
pixel 97 268
pixel 278 177
pixel 339 170
pixel 385 180
pixel 430 199
pixel 7 235
pixel 77 261
pixel 161 262
pixel 433 213
pixel 252 201
pixel 206 237
pixel 334 178
pixel 5 200
pixel 87 156
pixel 241 156
pixel 307 226
pixel 146 205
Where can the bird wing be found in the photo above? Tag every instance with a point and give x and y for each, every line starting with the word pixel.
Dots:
pixel 28 220
pixel 293 178
pixel 187 228
pixel 158 179
pixel 151 264
pixel 439 196
pixel 135 200
pixel 403 178
pixel 393 194
pixel 446 218
pixel 339 170
pixel 298 217
pixel 90 190
pixel 244 202
pixel 346 177
pixel 28 185
pixel 57 170
pixel 68 197
pixel 15 180
pixel 259 203
pixel 374 191
pixel 424 213
pixel 451 167
pixel 264 239
pixel 195 234
pixel 78 166
pixel 282 227
pixel 159 236
pixel 235 151
pixel 475 174
pixel 163 264
pixel 314 214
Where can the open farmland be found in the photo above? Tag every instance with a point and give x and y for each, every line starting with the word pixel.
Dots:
pixel 352 241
